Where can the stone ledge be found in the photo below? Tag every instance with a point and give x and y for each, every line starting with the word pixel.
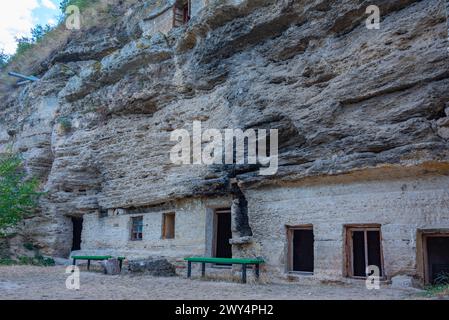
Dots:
pixel 241 240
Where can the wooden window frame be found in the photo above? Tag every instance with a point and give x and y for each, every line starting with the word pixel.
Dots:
pixel 349 265
pixel 134 235
pixel 164 221
pixel 290 233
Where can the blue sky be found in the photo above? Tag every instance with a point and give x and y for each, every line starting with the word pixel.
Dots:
pixel 17 17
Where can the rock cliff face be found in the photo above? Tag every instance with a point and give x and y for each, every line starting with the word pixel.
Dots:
pixel 96 127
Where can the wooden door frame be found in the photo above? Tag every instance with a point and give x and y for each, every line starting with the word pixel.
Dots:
pixel 290 231
pixel 163 226
pixel 215 228
pixel 348 248
pixel 425 235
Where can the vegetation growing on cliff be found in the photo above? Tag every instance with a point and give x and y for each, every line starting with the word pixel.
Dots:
pixel 3 59
pixel 81 4
pixel 18 195
pixel 39 32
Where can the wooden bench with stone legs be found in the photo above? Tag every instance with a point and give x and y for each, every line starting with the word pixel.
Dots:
pixel 244 262
pixel 96 258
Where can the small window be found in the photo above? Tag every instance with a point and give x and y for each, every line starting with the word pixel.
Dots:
pixel 137 228
pixel 168 226
pixel 301 249
pixel 363 249
pixel 181 13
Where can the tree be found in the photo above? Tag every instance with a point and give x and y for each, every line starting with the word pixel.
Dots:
pixel 81 4
pixel 23 44
pixel 39 31
pixel 37 34
pixel 18 195
pixel 4 58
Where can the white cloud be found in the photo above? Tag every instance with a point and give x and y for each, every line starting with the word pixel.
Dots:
pixel 49 4
pixel 52 22
pixel 16 20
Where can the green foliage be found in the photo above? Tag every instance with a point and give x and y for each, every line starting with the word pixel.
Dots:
pixel 24 260
pixel 4 58
pixel 65 123
pixel 442 278
pixel 81 4
pixel 38 260
pixel 18 196
pixel 23 45
pixel 28 246
pixel 39 32
pixel 441 286
pixel 26 43
pixel 436 290
pixel 7 262
pixel 43 261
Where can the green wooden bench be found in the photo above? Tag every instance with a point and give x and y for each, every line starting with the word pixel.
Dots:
pixel 231 261
pixel 96 258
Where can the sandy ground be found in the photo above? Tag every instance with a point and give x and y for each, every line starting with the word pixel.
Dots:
pixel 27 282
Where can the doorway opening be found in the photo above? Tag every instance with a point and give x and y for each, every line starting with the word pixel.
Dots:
pixel 301 249
pixel 223 233
pixel 436 258
pixel 363 249
pixel 77 223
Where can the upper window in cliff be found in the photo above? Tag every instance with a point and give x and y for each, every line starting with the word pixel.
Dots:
pixel 137 228
pixel 181 13
pixel 168 226
pixel 363 249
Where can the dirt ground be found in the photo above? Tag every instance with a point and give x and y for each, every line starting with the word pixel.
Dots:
pixel 27 282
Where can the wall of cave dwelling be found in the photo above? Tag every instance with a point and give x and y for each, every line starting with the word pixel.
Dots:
pixel 311 230
pixel 315 230
pixel 389 211
pixel 171 13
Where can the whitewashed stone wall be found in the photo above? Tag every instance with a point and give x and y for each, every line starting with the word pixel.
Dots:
pixel 196 6
pixel 162 23
pixel 112 234
pixel 401 206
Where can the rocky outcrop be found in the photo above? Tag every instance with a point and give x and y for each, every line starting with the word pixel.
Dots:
pixel 157 267
pixel 343 97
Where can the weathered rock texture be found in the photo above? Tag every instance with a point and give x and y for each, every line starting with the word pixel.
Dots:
pixel 344 98
pixel 153 266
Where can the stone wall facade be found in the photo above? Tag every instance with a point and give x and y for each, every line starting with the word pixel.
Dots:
pixel 111 234
pixel 403 203
pixel 402 206
pixel 160 18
